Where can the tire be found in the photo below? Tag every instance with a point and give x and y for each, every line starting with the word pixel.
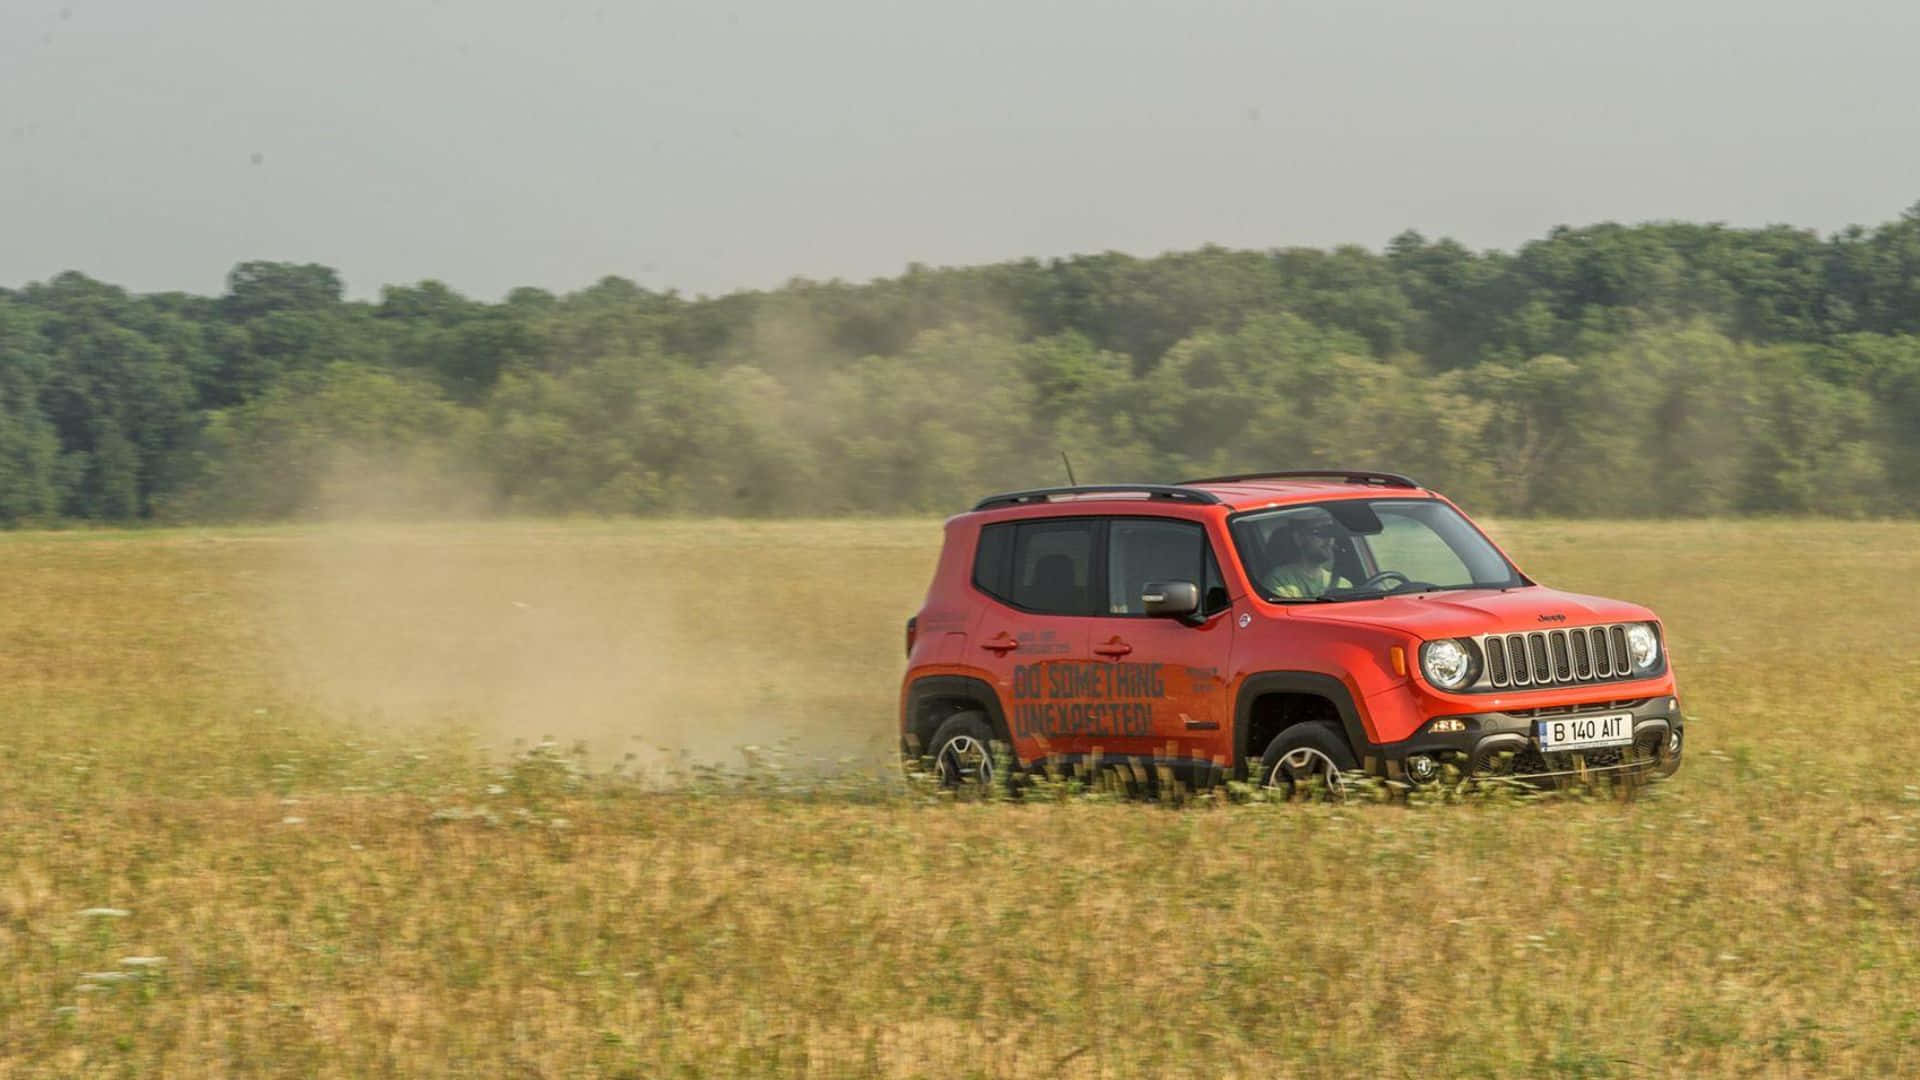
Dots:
pixel 1672 749
pixel 962 752
pixel 1307 758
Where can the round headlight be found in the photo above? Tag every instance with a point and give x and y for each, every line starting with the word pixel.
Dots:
pixel 1643 645
pixel 1446 664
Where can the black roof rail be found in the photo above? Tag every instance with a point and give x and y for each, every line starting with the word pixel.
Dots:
pixel 1151 491
pixel 1351 476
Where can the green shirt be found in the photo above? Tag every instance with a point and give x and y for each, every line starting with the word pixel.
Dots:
pixel 1298 580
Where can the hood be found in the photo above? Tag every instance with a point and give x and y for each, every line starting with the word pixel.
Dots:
pixel 1476 611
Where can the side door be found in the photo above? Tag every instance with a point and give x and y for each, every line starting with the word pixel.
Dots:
pixel 1032 637
pixel 1164 687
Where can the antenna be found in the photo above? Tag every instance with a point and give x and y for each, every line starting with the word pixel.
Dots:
pixel 1071 482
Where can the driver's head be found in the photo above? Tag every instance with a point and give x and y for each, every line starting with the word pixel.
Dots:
pixel 1314 533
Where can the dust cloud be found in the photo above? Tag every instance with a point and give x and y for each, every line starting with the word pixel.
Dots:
pixel 676 642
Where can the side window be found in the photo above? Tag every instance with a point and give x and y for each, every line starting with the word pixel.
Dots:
pixel 993 561
pixel 1053 566
pixel 1213 589
pixel 1140 550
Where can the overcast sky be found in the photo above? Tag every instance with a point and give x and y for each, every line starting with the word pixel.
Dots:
pixel 707 145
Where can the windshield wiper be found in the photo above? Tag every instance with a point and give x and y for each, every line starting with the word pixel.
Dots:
pixel 1344 595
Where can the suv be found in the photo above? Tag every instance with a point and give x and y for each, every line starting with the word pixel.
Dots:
pixel 1286 627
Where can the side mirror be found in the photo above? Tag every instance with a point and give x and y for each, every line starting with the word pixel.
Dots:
pixel 1170 599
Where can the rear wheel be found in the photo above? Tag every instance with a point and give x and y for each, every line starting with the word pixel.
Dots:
pixel 1307 760
pixel 962 751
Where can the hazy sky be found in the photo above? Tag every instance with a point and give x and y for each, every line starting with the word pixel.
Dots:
pixel 708 145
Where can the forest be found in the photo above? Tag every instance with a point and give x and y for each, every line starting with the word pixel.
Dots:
pixel 1663 369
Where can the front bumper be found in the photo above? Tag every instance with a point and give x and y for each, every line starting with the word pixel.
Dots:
pixel 1508 743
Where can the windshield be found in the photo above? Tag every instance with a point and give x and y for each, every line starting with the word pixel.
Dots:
pixel 1355 549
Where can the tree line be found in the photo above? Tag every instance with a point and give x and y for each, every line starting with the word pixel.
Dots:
pixel 1658 369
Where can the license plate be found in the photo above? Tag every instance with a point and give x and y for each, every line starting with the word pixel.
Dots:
pixel 1584 732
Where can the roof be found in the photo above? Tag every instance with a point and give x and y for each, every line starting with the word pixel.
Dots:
pixel 1245 495
pixel 1238 492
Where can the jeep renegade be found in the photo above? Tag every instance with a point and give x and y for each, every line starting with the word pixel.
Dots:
pixel 1287 627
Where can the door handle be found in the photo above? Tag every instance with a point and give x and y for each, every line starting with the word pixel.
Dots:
pixel 1115 648
pixel 1002 645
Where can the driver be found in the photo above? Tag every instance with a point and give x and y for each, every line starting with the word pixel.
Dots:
pixel 1310 572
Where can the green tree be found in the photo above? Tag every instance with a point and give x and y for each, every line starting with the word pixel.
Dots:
pixel 345 440
pixel 29 448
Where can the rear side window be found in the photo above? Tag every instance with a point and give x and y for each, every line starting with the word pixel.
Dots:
pixel 1043 566
pixel 1053 567
pixel 993 562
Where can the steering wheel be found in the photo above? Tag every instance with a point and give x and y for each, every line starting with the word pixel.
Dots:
pixel 1384 576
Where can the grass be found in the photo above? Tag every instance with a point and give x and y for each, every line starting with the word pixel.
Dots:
pixel 276 802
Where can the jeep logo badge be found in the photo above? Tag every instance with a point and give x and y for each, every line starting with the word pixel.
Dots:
pixel 1553 618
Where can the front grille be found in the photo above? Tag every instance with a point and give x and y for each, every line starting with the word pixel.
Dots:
pixel 1568 710
pixel 1540 658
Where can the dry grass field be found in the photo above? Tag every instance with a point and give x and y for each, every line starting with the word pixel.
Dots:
pixel 275 802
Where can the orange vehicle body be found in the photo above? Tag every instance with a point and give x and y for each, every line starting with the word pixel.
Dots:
pixel 1207 693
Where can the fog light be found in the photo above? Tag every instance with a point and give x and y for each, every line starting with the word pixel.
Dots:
pixel 1447 725
pixel 1673 741
pixel 1422 768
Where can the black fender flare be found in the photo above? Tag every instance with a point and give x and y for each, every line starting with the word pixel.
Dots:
pixel 1316 683
pixel 929 687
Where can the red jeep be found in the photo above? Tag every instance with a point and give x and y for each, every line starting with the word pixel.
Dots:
pixel 1290 626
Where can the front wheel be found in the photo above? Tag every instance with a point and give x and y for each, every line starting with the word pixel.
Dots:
pixel 1307 760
